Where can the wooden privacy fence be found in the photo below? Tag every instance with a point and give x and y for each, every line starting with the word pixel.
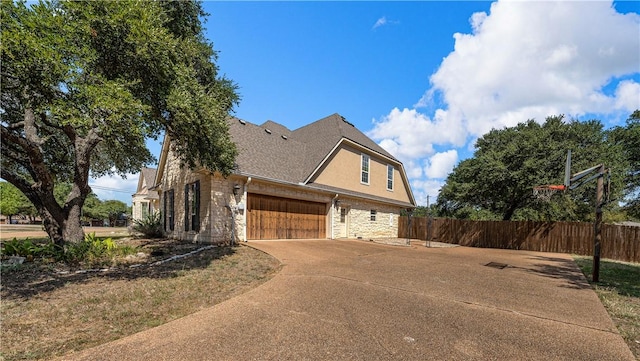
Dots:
pixel 618 242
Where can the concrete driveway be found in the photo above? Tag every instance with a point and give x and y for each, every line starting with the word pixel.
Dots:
pixel 355 300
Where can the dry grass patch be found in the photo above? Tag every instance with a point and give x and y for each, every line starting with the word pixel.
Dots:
pixel 619 292
pixel 46 313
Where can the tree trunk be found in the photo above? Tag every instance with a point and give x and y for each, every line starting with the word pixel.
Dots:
pixel 508 213
pixel 61 222
pixel 72 231
pixel 63 226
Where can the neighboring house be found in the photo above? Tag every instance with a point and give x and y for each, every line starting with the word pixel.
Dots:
pixel 145 200
pixel 324 180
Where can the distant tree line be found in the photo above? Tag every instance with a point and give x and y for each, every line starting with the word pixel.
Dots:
pixel 14 204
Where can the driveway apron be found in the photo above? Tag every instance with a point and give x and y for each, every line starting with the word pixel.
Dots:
pixel 355 300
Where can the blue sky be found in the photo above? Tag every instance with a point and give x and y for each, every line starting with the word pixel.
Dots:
pixel 424 79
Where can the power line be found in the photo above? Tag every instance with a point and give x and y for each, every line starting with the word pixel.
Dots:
pixel 102 188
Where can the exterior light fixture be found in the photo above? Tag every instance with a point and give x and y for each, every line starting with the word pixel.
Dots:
pixel 236 189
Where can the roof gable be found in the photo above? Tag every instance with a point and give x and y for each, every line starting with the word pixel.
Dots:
pixel 322 136
pixel 146 179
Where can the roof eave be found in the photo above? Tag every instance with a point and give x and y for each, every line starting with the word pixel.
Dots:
pixel 339 191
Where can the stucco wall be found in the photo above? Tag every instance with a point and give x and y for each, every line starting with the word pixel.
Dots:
pixel 136 210
pixel 343 170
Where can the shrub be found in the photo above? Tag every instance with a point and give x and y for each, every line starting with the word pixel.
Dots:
pixel 150 226
pixel 91 250
pixel 28 249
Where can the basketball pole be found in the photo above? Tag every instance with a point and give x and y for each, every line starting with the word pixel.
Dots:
pixel 598 225
pixel 575 181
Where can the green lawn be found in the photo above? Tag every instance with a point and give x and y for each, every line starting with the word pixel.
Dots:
pixel 619 291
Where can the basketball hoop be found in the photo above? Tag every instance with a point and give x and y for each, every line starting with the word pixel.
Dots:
pixel 545 192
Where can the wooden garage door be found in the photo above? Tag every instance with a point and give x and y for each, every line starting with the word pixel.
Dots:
pixel 281 218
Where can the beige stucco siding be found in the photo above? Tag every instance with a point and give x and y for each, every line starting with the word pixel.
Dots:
pixel 343 170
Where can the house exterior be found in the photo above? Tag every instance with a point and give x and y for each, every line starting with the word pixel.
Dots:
pixel 324 180
pixel 145 201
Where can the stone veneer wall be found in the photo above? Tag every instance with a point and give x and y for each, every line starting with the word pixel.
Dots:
pixel 359 219
pixel 216 193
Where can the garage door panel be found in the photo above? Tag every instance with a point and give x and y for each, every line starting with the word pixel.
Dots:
pixel 281 218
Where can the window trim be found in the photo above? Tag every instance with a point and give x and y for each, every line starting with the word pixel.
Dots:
pixel 390 179
pixel 169 210
pixel 364 171
pixel 373 215
pixel 192 207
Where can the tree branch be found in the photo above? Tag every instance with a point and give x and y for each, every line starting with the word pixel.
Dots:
pixel 44 119
pixel 30 128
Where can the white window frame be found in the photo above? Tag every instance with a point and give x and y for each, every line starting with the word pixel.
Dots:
pixel 364 156
pixel 373 215
pixel 390 179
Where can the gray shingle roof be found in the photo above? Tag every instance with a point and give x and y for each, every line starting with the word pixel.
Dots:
pixel 149 175
pixel 293 159
pixel 266 155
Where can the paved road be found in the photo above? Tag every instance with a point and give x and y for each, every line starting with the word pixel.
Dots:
pixel 354 300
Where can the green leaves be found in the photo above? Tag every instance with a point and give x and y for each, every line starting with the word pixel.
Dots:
pixel 85 84
pixel 12 201
pixel 498 181
pixel 150 226
pixel 628 138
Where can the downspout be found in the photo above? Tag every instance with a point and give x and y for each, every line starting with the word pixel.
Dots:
pixel 333 204
pixel 246 207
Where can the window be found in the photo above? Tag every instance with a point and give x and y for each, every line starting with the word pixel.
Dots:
pixel 343 215
pixel 144 209
pixel 364 175
pixel 373 215
pixel 168 210
pixel 389 177
pixel 192 206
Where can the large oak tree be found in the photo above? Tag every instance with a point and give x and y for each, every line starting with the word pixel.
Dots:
pixel 85 84
pixel 497 182
pixel 629 139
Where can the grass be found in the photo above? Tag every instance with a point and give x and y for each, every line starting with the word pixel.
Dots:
pixel 619 292
pixel 46 314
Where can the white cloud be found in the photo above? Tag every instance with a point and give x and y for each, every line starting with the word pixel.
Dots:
pixel 380 22
pixel 409 134
pixel 115 187
pixel 523 60
pixel 383 21
pixel 533 59
pixel 413 169
pixel 627 96
pixel 441 164
pixel 423 188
